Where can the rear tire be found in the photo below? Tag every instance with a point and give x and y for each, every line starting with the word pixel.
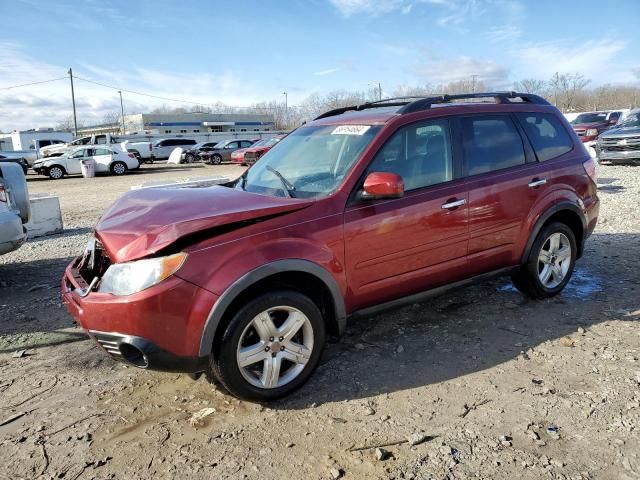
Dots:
pixel 216 159
pixel 279 336
pixel 550 264
pixel 118 168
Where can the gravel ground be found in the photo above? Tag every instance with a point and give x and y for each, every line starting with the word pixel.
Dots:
pixel 483 382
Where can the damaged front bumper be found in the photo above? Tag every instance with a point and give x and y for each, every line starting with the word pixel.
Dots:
pixel 158 328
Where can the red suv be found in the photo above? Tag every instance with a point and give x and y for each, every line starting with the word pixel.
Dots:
pixel 363 208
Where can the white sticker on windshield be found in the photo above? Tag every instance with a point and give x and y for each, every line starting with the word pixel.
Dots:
pixel 350 130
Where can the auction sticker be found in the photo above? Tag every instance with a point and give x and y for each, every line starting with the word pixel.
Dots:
pixel 350 130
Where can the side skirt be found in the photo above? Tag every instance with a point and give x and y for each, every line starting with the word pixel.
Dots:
pixel 433 292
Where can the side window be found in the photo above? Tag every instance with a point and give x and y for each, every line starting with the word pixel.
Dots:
pixel 101 139
pixel 548 137
pixel 190 142
pixel 245 144
pixel 491 143
pixel 101 151
pixel 231 145
pixel 419 153
pixel 79 153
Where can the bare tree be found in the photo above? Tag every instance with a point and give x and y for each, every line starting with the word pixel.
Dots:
pixel 566 88
pixel 531 85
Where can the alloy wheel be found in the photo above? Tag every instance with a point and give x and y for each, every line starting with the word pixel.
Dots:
pixel 56 173
pixel 554 260
pixel 275 347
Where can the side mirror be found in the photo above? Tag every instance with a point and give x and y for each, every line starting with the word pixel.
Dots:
pixel 380 185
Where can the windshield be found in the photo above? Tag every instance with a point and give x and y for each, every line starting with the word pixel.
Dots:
pixel 311 162
pixel 633 120
pixel 271 142
pixel 590 118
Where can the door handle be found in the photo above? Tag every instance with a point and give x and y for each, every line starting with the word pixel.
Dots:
pixel 537 182
pixel 453 204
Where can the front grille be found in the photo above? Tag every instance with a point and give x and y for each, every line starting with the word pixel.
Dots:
pixel 250 156
pixel 620 144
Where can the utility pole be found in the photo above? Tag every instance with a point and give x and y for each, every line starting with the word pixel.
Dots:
pixel 286 108
pixel 73 101
pixel 122 111
pixel 379 91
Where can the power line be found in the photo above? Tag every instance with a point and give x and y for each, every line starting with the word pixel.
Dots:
pixel 144 94
pixel 33 83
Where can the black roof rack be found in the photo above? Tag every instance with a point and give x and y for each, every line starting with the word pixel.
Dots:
pixel 424 103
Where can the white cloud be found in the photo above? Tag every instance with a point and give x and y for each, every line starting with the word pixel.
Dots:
pixel 328 71
pixel 594 59
pixel 371 7
pixel 48 104
pixel 463 68
pixel 503 33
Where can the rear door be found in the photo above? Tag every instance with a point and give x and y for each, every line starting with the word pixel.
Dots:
pixel 505 181
pixel 103 158
pixel 397 247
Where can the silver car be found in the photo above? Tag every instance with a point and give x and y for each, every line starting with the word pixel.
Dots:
pixel 621 143
pixel 14 207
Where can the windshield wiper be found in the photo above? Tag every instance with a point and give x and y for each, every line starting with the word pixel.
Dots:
pixel 288 187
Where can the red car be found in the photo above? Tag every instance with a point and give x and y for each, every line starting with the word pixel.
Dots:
pixel 366 207
pixel 590 125
pixel 252 154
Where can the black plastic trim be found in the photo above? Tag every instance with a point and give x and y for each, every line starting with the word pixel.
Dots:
pixel 156 358
pixel 264 271
pixel 426 294
pixel 543 219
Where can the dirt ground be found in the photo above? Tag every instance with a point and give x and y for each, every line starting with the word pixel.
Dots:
pixel 485 382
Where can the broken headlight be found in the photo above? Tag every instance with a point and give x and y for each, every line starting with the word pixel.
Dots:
pixel 131 277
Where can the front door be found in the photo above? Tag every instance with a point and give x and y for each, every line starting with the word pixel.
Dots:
pixel 73 161
pixel 401 246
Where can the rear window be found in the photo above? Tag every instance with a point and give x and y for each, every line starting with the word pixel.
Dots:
pixel 491 143
pixel 547 135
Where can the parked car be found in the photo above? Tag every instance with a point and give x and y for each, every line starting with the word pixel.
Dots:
pixel 19 161
pixel 192 154
pixel 254 152
pixel 58 149
pixel 14 207
pixel 161 149
pixel 107 160
pixel 622 142
pixel 223 150
pixel 142 150
pixel 361 209
pixel 31 155
pixel 590 125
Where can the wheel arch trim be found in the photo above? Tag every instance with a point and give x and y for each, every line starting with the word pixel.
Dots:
pixel 559 207
pixel 260 273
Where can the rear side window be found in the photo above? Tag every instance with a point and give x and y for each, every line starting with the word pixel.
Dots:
pixel 547 135
pixel 188 142
pixel 102 151
pixel 491 143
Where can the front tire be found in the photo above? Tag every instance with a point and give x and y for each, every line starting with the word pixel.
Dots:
pixel 216 159
pixel 550 264
pixel 55 172
pixel 270 347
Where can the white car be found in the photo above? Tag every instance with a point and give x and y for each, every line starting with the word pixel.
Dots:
pixel 14 207
pixel 107 160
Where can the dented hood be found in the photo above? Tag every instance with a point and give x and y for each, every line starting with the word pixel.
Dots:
pixel 143 222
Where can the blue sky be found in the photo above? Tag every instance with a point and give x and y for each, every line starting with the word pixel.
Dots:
pixel 241 52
